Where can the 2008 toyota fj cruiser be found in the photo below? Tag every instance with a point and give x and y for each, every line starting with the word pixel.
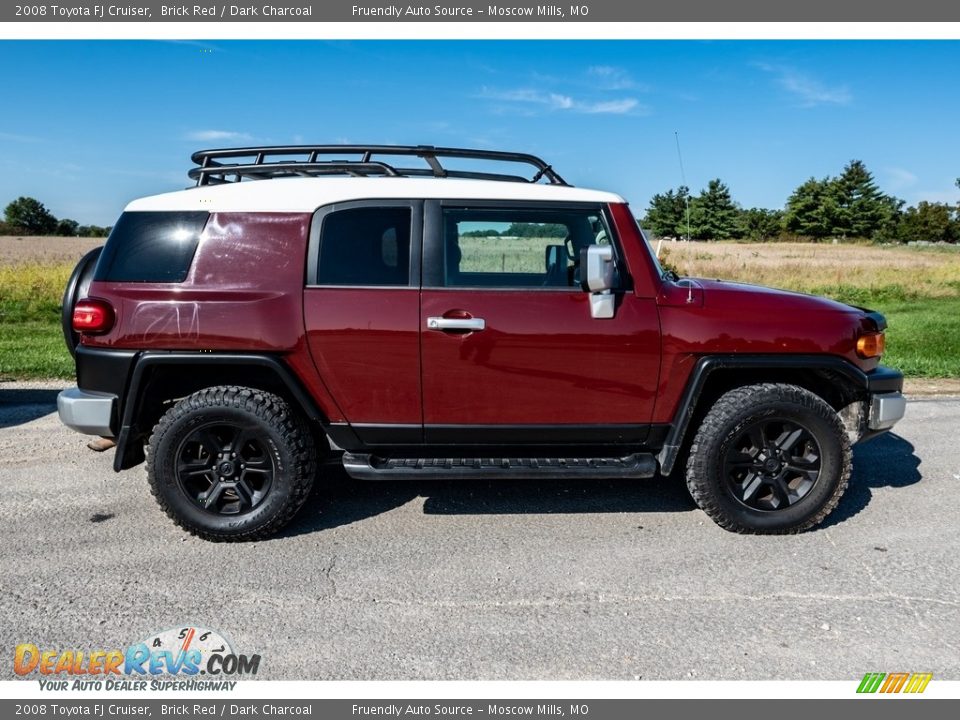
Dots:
pixel 432 322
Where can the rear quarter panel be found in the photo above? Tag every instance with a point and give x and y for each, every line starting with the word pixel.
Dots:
pixel 242 292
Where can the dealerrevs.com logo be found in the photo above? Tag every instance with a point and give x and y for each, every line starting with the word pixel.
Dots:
pixel 174 659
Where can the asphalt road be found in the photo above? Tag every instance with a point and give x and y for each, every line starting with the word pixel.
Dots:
pixel 493 580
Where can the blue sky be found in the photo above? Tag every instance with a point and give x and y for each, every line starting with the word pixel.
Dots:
pixel 87 126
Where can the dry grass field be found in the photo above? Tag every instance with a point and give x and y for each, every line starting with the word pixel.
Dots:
pixel 44 250
pixel 825 269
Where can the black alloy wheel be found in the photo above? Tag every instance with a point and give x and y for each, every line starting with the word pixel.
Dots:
pixel 772 464
pixel 224 467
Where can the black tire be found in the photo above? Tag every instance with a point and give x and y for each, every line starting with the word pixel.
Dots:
pixel 77 287
pixel 769 459
pixel 260 461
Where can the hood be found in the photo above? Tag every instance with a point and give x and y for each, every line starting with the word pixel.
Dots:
pixel 701 317
pixel 735 296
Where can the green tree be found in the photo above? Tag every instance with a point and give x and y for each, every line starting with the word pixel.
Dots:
pixel 759 224
pixel 932 222
pixel 713 214
pixel 480 233
pixel 887 231
pixel 30 217
pixel 958 210
pixel 67 228
pixel 536 230
pixel 861 209
pixel 94 231
pixel 667 213
pixel 811 209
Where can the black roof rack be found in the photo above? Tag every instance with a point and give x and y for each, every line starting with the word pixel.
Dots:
pixel 215 167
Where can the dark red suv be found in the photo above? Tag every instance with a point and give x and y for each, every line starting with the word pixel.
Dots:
pixel 378 305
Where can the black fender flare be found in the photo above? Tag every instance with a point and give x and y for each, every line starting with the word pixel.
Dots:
pixel 882 379
pixel 130 452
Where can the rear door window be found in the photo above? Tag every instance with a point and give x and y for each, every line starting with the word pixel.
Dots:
pixel 365 246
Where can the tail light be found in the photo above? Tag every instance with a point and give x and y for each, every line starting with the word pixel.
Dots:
pixel 871 345
pixel 92 316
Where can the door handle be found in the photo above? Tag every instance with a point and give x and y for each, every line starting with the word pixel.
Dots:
pixel 442 323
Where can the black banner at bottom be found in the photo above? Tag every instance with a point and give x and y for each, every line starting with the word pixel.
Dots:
pixel 632 709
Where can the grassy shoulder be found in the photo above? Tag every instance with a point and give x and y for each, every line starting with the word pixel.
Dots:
pixel 923 339
pixel 34 350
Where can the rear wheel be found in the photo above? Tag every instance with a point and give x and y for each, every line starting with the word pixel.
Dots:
pixel 77 288
pixel 231 463
pixel 769 459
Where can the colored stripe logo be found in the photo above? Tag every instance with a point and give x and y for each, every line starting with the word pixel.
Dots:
pixel 894 682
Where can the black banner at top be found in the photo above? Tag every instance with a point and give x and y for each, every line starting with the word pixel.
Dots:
pixel 482 11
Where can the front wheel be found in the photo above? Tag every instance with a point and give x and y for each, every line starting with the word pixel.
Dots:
pixel 231 463
pixel 769 459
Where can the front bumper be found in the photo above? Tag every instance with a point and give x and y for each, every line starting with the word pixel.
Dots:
pixel 885 410
pixel 87 412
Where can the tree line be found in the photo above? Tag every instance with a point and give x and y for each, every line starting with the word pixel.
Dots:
pixel 848 206
pixel 28 216
pixel 522 230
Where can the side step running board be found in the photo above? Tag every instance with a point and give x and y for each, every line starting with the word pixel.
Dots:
pixel 371 467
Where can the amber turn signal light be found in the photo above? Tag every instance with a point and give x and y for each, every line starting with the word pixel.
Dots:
pixel 870 345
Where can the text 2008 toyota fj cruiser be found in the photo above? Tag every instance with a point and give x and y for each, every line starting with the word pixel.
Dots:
pixel 431 322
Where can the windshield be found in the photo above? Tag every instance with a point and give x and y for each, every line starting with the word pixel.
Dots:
pixel 653 254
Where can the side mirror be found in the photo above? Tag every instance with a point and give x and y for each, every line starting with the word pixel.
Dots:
pixel 596 267
pixel 598 277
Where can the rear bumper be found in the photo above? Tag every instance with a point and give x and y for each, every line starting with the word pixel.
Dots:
pixel 885 410
pixel 87 412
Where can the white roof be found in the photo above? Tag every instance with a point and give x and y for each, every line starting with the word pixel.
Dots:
pixel 308 194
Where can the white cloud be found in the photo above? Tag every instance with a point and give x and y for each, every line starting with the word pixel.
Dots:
pixel 899 178
pixel 216 135
pixel 809 91
pixel 523 95
pixel 609 77
pixel 529 101
pixel 612 107
pixel 561 102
